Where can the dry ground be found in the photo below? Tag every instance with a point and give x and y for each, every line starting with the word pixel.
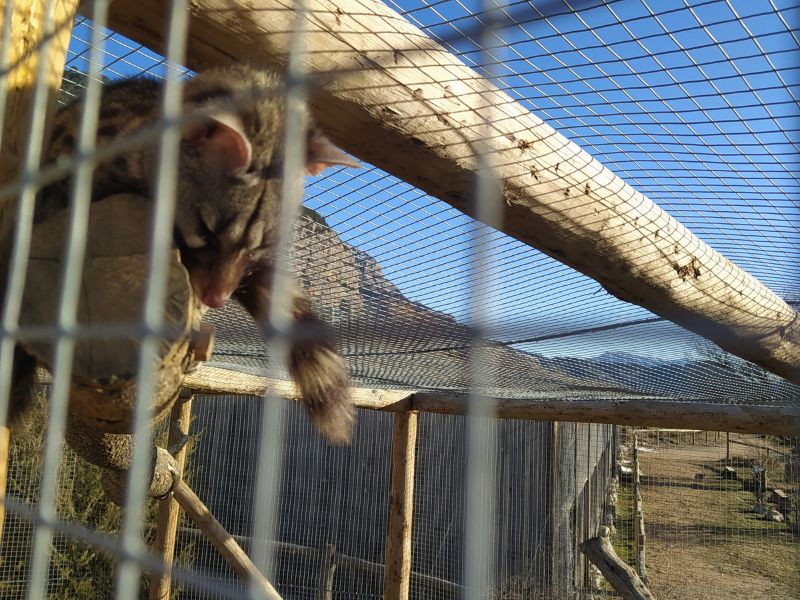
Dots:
pixel 703 541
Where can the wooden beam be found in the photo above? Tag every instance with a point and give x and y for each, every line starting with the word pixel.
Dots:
pixel 215 380
pixel 27 36
pixel 397 577
pixel 776 420
pixel 640 412
pixel 398 100
pixel 5 441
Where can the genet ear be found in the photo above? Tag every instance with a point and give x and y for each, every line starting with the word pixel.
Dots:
pixel 321 154
pixel 221 142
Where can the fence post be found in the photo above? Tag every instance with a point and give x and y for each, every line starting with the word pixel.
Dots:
pixel 638 515
pixel 326 572
pixel 397 577
pixel 727 447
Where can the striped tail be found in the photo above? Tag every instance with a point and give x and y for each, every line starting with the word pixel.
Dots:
pixel 321 376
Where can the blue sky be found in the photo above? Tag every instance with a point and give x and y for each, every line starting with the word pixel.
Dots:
pixel 696 107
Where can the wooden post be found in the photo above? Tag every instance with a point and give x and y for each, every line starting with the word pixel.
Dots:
pixel 621 577
pixel 5 439
pixel 26 35
pixel 222 540
pixel 639 534
pixel 168 510
pixel 638 514
pixel 326 573
pixel 727 447
pixel 397 577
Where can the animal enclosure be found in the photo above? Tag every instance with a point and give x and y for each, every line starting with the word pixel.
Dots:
pixel 564 284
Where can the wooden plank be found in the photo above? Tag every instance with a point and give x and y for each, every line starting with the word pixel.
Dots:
pixel 27 35
pixel 5 440
pixel 397 577
pixel 400 101
pixel 326 573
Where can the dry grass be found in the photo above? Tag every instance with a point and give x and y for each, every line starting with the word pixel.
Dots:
pixel 703 541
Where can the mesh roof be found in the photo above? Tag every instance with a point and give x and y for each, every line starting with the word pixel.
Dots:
pixel 694 104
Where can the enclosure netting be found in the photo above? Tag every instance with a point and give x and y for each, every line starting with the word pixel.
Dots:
pixel 695 105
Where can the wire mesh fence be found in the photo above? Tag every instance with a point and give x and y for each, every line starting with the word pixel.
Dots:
pixel 693 104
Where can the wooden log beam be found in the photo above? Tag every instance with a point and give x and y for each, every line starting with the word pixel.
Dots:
pixel 215 380
pixel 776 420
pixel 397 577
pixel 398 100
pixel 641 412
pixel 621 577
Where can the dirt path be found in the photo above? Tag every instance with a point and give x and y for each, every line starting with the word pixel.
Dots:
pixel 704 543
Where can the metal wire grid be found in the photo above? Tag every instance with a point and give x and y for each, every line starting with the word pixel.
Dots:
pixel 695 514
pixel 435 217
pixel 695 104
pixel 383 217
pixel 690 509
pixel 318 507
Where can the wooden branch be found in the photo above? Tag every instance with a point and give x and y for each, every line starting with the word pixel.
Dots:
pixel 403 103
pixel 397 577
pixel 621 577
pixel 167 523
pixel 358 564
pixel 761 447
pixel 222 540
